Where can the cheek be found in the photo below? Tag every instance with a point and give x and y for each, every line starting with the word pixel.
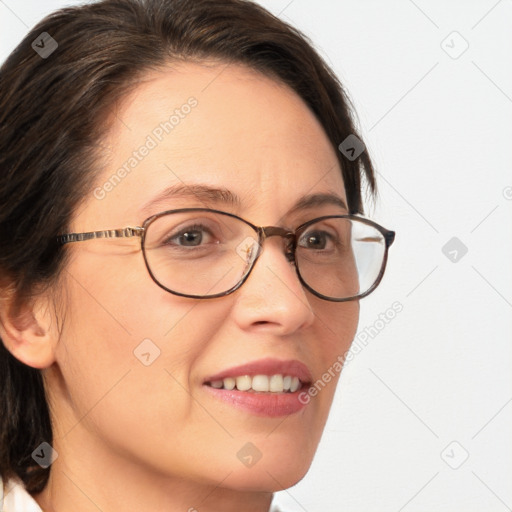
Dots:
pixel 127 350
pixel 338 324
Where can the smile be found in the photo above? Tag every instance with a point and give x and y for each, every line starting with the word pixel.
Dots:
pixel 266 387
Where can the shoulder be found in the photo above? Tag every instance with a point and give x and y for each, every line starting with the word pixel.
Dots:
pixel 14 498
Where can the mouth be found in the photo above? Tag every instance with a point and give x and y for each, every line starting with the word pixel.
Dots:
pixel 268 387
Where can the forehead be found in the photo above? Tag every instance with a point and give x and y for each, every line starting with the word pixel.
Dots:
pixel 220 125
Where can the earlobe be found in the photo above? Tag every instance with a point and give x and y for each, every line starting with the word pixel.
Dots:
pixel 27 334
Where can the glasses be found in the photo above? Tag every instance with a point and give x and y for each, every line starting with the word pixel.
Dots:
pixel 204 253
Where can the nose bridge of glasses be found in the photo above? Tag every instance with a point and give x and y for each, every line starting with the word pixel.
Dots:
pixel 269 231
pixel 286 234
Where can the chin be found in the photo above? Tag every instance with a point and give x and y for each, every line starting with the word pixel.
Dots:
pixel 271 476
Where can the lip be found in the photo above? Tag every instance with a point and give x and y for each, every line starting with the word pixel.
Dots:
pixel 267 366
pixel 263 403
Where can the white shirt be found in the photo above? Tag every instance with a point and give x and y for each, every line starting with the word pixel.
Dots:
pixel 14 498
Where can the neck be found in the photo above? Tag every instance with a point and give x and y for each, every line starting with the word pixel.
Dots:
pixel 79 481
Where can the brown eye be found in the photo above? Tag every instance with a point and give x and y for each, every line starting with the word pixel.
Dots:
pixel 316 239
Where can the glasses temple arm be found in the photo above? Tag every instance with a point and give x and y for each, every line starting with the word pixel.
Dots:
pixel 109 233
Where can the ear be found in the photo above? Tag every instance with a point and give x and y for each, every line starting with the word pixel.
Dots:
pixel 27 331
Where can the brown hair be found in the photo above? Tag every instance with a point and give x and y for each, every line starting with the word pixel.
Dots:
pixel 53 110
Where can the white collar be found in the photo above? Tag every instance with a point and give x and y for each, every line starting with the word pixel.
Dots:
pixel 15 498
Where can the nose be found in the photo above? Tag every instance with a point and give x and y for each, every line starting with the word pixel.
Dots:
pixel 272 297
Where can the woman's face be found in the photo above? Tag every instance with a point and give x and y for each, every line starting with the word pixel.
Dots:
pixel 132 364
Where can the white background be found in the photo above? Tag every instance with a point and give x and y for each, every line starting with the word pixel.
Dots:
pixel 439 129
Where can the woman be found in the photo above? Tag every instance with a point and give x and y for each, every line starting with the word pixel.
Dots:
pixel 161 350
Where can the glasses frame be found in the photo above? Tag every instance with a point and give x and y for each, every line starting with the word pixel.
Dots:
pixel 263 233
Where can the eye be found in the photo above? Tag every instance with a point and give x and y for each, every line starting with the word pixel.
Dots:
pixel 315 239
pixel 191 236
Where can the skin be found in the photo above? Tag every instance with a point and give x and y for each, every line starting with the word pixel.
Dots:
pixel 133 437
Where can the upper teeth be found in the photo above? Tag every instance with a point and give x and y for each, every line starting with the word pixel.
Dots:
pixel 275 383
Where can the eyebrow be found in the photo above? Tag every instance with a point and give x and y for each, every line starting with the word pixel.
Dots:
pixel 223 196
